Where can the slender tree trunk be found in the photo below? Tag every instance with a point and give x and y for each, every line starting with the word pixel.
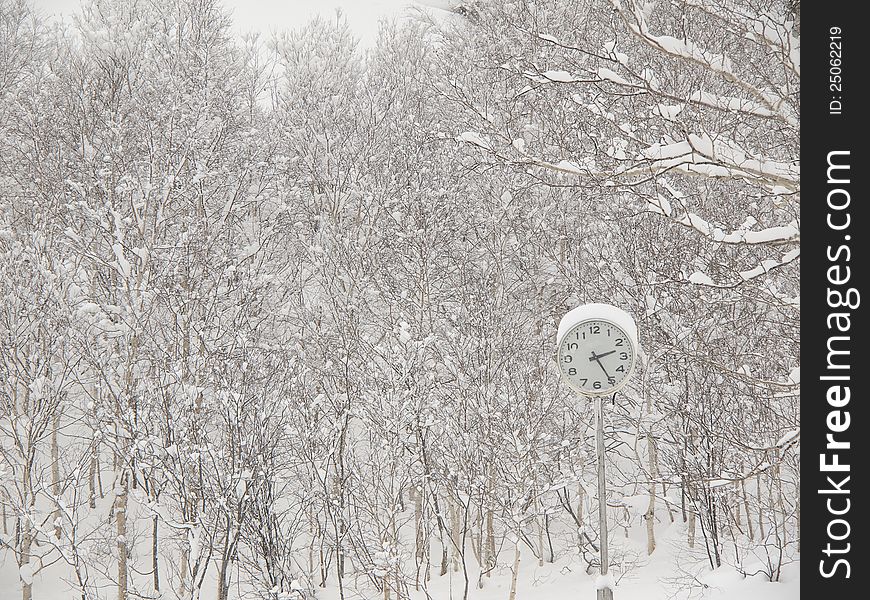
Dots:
pixel 99 473
pixel 455 536
pixel 121 531
pixel 746 510
pixel 683 497
pixel 155 567
pixel 92 474
pixel 490 542
pixel 222 572
pixel 797 514
pixel 24 533
pixel 323 572
pixel 691 531
pixel 516 570
pixel 780 500
pixel 397 572
pixel 552 555
pixel 651 510
pixel 26 544
pixel 182 567
pixel 670 508
pixel 55 473
pixel 760 510
pixel 314 535
pixel 419 546
pixel 444 534
pixel 477 540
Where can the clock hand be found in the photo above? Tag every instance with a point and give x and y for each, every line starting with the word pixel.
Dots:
pixel 600 364
pixel 594 357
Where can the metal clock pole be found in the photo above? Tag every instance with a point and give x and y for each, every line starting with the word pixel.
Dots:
pixel 593 339
pixel 605 593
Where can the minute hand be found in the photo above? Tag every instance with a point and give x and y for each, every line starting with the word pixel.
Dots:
pixel 596 357
pixel 600 364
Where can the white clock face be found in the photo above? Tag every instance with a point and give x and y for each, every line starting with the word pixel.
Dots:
pixel 596 357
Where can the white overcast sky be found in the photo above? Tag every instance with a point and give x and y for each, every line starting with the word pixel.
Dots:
pixel 266 16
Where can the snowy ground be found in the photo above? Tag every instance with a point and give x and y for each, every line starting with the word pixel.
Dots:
pixel 644 578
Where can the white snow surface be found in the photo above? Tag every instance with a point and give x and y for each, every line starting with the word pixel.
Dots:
pixel 603 582
pixel 642 577
pixel 474 138
pixel 788 437
pixel 605 73
pixel 560 76
pixel 25 572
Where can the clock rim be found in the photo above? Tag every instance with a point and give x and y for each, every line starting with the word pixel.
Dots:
pixel 602 392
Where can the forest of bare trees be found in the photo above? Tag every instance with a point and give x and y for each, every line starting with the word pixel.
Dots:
pixel 277 317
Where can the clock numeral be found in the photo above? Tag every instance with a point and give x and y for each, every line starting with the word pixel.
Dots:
pixel 573 346
pixel 620 369
pixel 611 380
pixel 623 355
pixel 597 385
pixel 594 329
pixel 619 341
pixel 567 358
pixel 584 382
pixel 572 371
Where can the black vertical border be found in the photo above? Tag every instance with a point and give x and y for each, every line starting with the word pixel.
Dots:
pixel 823 132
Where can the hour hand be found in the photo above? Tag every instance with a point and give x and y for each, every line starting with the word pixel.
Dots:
pixel 596 357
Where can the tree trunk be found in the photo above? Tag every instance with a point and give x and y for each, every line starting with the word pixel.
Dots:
pixel 314 535
pixel 691 539
pixel 516 570
pixel 25 526
pixel 222 572
pixel 760 511
pixel 55 473
pixel 92 473
pixel 478 540
pixel 780 499
pixel 182 567
pixel 121 530
pixel 797 514
pixel 454 536
pixel 552 555
pixel 418 533
pixel 651 510
pixel 99 474
pixel 746 510
pixel 490 542
pixel 155 570
pixel 26 543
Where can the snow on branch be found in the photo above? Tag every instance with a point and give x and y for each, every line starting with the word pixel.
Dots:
pixel 783 234
pixel 687 50
pixel 474 138
pixel 766 266
pixel 760 28
pixel 740 105
pixel 719 158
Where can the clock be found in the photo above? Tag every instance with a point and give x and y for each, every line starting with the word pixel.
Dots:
pixel 597 349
